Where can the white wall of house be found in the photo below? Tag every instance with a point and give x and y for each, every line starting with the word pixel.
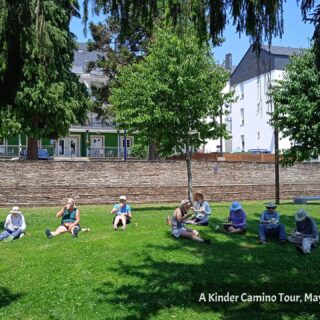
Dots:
pixel 250 118
pixel 214 145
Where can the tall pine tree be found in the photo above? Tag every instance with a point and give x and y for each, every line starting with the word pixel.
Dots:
pixel 39 96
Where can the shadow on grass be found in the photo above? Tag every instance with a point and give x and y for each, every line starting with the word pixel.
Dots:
pixel 7 297
pixel 159 283
pixel 170 209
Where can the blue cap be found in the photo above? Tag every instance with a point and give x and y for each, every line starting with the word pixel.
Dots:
pixel 235 206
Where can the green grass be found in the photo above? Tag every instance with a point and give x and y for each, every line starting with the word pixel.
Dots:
pixel 144 273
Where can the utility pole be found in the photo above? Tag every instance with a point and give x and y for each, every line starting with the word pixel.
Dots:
pixel 276 162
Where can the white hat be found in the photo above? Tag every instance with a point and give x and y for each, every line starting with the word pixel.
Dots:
pixel 15 210
pixel 123 198
pixel 184 202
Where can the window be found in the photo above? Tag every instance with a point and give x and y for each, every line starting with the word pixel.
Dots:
pixel 242 117
pixel 242 90
pixel 128 142
pixel 242 143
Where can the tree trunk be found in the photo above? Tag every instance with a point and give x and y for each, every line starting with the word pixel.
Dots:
pixel 189 170
pixel 32 149
pixel 32 152
pixel 153 155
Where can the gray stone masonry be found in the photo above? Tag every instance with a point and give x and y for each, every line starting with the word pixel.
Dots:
pixel 37 183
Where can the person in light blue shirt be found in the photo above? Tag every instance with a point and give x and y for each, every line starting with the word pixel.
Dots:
pixel 123 213
pixel 270 225
pixel 202 210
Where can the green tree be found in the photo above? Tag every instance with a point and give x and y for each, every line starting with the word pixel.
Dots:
pixel 174 97
pixel 40 97
pixel 297 108
pixel 259 19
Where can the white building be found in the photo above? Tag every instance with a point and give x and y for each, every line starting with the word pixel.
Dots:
pixel 249 117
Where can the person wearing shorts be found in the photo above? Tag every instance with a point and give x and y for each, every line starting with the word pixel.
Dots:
pixel 70 218
pixel 178 230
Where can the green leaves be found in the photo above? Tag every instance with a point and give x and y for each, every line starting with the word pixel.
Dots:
pixel 45 98
pixel 297 108
pixel 174 96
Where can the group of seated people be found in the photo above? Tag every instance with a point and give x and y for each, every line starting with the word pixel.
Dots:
pixel 305 235
pixel 15 225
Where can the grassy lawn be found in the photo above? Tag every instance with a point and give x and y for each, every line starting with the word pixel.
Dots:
pixel 143 273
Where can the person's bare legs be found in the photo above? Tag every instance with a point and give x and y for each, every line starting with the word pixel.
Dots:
pixel 124 221
pixel 59 230
pixel 116 221
pixel 191 234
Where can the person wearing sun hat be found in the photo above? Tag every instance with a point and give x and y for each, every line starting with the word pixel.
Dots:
pixel 237 220
pixel 306 234
pixel 202 210
pixel 123 213
pixel 270 225
pixel 14 226
pixel 180 215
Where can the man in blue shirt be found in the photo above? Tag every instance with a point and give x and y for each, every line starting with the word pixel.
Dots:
pixel 306 234
pixel 270 225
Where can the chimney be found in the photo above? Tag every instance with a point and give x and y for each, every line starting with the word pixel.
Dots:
pixel 228 61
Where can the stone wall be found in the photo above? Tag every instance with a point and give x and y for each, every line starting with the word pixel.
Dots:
pixel 37 183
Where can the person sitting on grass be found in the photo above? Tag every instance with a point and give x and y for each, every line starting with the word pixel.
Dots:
pixel 237 220
pixel 306 234
pixel 270 225
pixel 70 218
pixel 123 213
pixel 180 215
pixel 202 209
pixel 14 226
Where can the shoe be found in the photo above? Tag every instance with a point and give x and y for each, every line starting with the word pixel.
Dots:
pixel 48 233
pixel 299 249
pixel 262 241
pixel 282 241
pixel 207 241
pixel 75 232
pixel 8 239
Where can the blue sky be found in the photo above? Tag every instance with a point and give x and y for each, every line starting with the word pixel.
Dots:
pixel 296 34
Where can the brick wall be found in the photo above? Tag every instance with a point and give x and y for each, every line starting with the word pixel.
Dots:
pixel 50 182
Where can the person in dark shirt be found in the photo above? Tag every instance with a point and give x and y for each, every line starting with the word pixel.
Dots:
pixel 306 234
pixel 70 218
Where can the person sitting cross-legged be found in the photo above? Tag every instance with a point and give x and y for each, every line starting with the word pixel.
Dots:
pixel 202 210
pixel 237 220
pixel 14 226
pixel 306 234
pixel 123 213
pixel 270 225
pixel 70 218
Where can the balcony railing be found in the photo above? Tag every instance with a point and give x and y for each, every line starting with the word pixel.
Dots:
pixel 14 151
pixel 108 152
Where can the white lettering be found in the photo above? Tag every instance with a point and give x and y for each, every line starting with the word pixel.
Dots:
pixel 202 298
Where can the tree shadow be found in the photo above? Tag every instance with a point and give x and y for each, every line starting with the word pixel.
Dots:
pixel 7 297
pixel 164 281
pixel 168 208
